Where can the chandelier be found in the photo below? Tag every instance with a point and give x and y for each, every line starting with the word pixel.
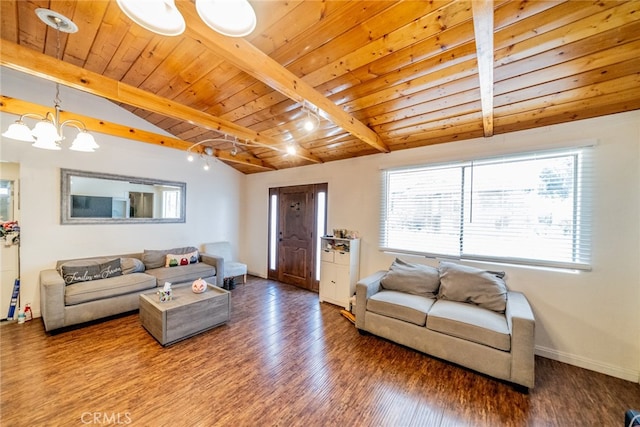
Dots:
pixel 48 132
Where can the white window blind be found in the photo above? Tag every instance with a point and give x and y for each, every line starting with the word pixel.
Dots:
pixel 530 208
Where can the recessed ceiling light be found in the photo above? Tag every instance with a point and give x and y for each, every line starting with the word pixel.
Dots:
pixel 56 20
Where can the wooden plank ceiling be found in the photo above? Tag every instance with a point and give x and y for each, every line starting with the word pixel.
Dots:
pixel 385 75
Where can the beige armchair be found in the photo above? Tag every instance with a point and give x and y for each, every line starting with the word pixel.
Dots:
pixel 232 268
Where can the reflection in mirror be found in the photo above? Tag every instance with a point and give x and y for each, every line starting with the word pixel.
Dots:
pixel 90 198
pixel 6 200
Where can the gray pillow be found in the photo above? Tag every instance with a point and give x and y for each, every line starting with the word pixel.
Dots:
pixel 473 285
pixel 157 258
pixel 417 279
pixel 91 270
pixel 131 265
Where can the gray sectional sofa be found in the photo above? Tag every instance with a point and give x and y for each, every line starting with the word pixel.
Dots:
pixel 457 313
pixel 85 289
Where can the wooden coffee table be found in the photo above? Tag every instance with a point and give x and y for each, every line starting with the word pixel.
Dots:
pixel 186 314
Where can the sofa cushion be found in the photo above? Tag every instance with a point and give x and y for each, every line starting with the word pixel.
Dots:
pixel 174 260
pixel 417 279
pixel 471 323
pixel 80 292
pixel 182 273
pixel 153 258
pixel 467 284
pixel 401 305
pixel 88 270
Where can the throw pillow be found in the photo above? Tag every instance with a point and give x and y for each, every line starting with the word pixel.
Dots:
pixel 131 265
pixel 173 260
pixel 157 258
pixel 417 279
pixel 484 288
pixel 92 270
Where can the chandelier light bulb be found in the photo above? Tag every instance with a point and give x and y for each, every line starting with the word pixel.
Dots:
pixel 46 144
pixel 46 131
pixel 84 142
pixel 19 131
pixel 190 158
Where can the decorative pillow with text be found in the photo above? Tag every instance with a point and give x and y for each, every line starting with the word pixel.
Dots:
pixel 91 271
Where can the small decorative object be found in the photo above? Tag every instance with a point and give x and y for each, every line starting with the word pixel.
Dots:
pixel 10 233
pixel 199 286
pixel 165 293
pixel 28 314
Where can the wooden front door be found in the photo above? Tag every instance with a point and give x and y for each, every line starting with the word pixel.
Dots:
pixel 296 235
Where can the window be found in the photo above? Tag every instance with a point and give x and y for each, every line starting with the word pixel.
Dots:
pixel 321 224
pixel 273 232
pixel 528 209
pixel 171 204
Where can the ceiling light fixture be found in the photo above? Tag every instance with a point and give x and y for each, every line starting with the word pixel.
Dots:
pixel 159 16
pixel 312 121
pixel 48 132
pixel 206 152
pixel 234 18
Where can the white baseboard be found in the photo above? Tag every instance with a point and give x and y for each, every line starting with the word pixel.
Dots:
pixel 592 365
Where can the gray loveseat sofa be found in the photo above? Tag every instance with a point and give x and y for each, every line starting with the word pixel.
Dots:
pixel 85 289
pixel 457 313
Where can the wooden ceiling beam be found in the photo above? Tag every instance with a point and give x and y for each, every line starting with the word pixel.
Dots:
pixel 256 63
pixel 483 29
pixel 34 63
pixel 19 107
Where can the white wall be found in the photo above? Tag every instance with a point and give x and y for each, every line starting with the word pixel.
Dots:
pixel 589 319
pixel 213 204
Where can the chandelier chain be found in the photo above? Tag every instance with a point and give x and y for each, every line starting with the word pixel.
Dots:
pixel 57 99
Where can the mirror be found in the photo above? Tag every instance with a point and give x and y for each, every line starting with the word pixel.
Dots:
pixel 99 198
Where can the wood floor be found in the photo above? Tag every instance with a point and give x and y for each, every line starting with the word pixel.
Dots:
pixel 283 360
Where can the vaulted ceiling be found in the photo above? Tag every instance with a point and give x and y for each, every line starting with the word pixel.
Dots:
pixel 383 75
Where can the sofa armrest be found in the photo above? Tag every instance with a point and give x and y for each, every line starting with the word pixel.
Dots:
pixel 521 324
pixel 218 263
pixel 365 289
pixel 52 299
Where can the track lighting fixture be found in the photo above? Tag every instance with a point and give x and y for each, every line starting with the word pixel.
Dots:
pixel 312 120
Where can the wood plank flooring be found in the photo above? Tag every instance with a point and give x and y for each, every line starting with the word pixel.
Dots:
pixel 283 360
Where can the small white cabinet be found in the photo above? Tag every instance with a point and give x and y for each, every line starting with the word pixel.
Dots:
pixel 339 267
